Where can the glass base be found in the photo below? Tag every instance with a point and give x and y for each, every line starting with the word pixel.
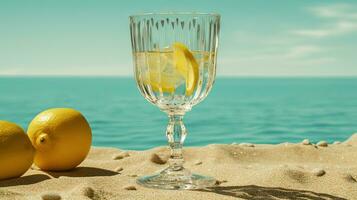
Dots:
pixel 170 179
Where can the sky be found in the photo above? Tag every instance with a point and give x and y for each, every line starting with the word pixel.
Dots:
pixel 258 38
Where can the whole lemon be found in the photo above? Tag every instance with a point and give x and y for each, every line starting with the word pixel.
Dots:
pixel 62 138
pixel 16 151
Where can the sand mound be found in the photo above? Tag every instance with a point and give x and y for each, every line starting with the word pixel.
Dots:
pixel 352 140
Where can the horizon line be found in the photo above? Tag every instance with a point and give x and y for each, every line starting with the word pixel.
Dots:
pixel 218 76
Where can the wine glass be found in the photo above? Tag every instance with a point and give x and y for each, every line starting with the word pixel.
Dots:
pixel 175 67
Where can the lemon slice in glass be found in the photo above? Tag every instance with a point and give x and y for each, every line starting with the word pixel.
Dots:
pixel 186 65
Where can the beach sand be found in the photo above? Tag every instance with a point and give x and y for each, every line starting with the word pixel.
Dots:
pixel 264 172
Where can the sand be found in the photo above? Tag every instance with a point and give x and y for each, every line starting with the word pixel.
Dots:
pixel 246 171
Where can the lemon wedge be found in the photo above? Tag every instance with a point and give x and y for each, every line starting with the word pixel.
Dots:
pixel 186 65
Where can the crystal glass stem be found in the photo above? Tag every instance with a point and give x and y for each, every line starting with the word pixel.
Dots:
pixel 176 135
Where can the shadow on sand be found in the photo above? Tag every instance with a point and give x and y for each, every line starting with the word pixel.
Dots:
pixel 253 192
pixel 83 172
pixel 24 180
pixel 77 172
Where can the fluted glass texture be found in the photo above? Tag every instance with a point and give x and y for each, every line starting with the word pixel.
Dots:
pixel 156 73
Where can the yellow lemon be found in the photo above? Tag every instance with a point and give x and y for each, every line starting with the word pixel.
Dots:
pixel 62 138
pixel 186 65
pixel 16 151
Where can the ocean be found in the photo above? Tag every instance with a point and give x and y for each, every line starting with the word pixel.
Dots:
pixel 255 110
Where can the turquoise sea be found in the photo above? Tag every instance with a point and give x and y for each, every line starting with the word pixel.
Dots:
pixel 256 110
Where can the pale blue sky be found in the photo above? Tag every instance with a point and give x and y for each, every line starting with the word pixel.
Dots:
pixel 258 38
